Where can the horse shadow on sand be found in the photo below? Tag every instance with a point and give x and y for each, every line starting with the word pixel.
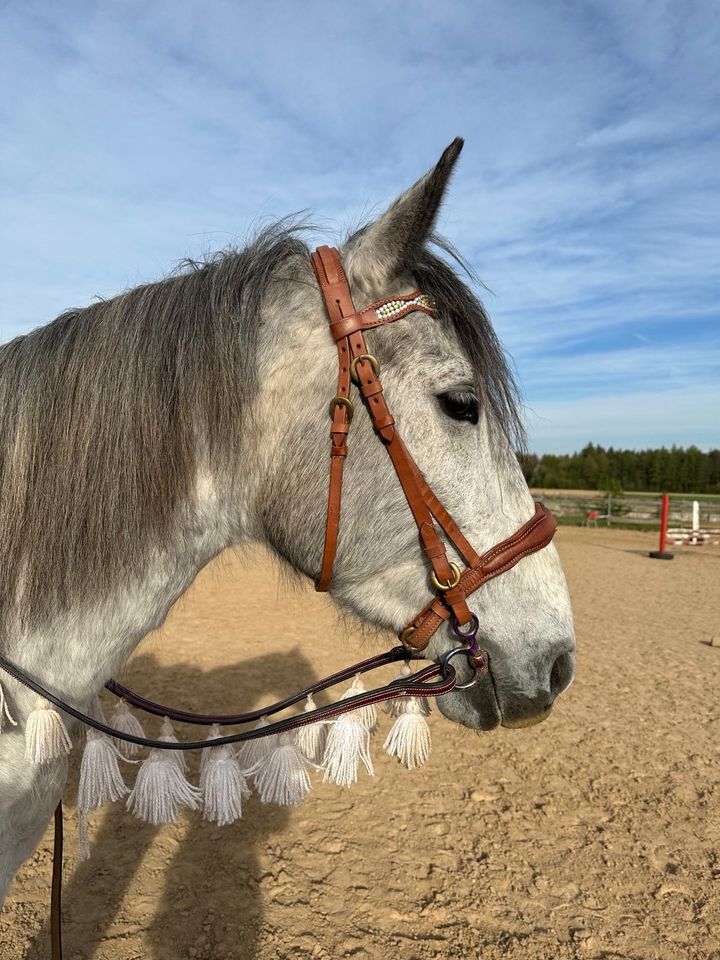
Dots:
pixel 198 896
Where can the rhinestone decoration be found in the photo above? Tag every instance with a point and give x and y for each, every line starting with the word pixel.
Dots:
pixel 392 308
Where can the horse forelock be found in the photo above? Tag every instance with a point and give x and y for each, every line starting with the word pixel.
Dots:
pixel 462 310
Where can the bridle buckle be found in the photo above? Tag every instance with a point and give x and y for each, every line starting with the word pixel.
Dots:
pixel 449 584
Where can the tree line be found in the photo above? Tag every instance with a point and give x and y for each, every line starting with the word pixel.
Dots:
pixel 674 470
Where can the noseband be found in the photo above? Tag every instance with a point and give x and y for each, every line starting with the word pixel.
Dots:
pixel 357 365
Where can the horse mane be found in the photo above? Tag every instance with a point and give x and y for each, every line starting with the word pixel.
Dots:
pixel 463 311
pixel 106 412
pixel 101 412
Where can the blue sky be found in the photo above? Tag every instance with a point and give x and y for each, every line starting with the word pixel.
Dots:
pixel 134 134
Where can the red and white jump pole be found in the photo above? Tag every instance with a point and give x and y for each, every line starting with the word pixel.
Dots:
pixel 661 553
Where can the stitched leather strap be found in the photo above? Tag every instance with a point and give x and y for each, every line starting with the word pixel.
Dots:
pixel 338 302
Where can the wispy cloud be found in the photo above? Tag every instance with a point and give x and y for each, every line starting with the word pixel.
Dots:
pixel 138 133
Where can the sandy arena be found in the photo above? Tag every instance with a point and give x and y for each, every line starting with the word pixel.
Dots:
pixel 595 835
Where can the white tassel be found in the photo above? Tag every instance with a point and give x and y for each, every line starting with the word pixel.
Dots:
pixel 311 738
pixel 222 782
pixel 348 742
pixel 394 707
pixel 409 736
pixel 161 790
pixel 281 777
pixel 167 735
pixel 100 778
pixel 95 710
pixel 368 714
pixel 45 735
pixel 5 711
pixel 252 752
pixel 126 722
pixel 100 781
pixel 205 754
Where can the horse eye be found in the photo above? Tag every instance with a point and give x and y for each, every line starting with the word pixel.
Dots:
pixel 460 405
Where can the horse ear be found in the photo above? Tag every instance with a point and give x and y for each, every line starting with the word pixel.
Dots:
pixel 384 247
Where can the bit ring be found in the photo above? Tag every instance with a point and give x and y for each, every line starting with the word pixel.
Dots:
pixel 456 651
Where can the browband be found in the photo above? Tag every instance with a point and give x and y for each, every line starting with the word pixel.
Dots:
pixel 356 364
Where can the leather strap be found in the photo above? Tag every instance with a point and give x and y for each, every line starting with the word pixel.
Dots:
pixel 56 951
pixel 338 302
pixel 391 310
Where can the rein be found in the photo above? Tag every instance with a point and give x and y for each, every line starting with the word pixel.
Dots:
pixel 356 365
pixel 433 681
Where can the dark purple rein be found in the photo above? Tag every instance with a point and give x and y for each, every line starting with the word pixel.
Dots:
pixel 433 681
pixel 230 719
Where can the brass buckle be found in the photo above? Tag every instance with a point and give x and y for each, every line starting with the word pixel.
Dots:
pixel 364 356
pixel 450 583
pixel 406 641
pixel 343 402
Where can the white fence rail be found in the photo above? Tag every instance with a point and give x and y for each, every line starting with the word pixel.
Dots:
pixel 686 515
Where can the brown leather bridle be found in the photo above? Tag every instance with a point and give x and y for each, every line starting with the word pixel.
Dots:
pixel 356 364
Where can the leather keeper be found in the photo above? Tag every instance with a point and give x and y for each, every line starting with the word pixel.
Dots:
pixel 370 389
pixel 383 422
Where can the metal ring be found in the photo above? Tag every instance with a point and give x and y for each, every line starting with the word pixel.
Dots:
pixel 469 633
pixel 343 402
pixel 450 583
pixel 447 657
pixel 364 356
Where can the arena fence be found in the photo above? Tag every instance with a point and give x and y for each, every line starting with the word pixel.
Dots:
pixel 690 521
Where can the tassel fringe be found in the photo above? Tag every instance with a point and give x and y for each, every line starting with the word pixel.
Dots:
pixel 281 777
pixel 311 738
pixel 167 735
pixel 367 714
pixel 46 738
pixel 252 752
pixel 348 742
pixel 100 781
pixel 409 737
pixel 222 782
pixel 161 790
pixel 5 711
pixel 126 722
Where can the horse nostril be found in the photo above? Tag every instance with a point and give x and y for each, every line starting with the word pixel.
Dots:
pixel 562 673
